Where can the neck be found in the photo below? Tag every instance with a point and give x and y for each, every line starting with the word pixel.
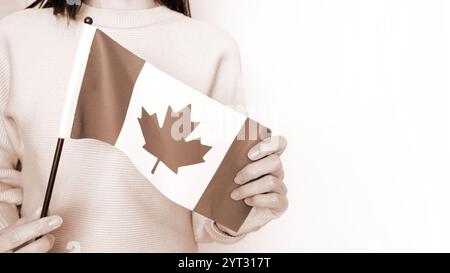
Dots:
pixel 122 4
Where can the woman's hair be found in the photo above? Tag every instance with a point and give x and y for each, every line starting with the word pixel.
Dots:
pixel 70 8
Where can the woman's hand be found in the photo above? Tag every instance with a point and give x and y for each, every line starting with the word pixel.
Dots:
pixel 262 185
pixel 21 236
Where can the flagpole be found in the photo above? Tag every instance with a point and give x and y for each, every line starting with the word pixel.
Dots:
pixel 52 178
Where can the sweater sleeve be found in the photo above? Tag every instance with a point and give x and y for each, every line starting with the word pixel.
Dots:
pixel 206 231
pixel 228 89
pixel 10 191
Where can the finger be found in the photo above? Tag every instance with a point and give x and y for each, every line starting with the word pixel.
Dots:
pixel 268 165
pixel 273 201
pixel 43 245
pixel 11 196
pixel 9 215
pixel 35 215
pixel 26 232
pixel 266 184
pixel 273 145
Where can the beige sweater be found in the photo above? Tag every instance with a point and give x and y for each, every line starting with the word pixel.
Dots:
pixel 106 204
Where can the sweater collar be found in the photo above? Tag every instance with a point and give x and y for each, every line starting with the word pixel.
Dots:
pixel 125 18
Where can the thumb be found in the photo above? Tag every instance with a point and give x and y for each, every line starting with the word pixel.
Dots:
pixel 35 215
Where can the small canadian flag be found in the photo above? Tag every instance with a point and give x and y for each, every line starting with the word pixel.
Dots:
pixel 186 144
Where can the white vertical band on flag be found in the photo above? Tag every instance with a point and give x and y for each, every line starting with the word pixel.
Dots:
pixel 76 79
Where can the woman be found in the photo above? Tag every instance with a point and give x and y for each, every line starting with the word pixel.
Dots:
pixel 105 203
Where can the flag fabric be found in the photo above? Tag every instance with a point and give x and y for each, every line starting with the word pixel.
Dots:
pixel 189 146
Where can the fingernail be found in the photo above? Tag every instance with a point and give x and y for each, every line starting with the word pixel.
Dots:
pixel 55 221
pixel 253 154
pixel 234 195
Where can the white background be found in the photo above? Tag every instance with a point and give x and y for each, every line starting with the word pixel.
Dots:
pixel 361 90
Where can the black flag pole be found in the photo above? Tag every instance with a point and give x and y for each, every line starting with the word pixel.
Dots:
pixel 52 178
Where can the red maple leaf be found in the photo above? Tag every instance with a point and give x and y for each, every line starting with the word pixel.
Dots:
pixel 161 142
